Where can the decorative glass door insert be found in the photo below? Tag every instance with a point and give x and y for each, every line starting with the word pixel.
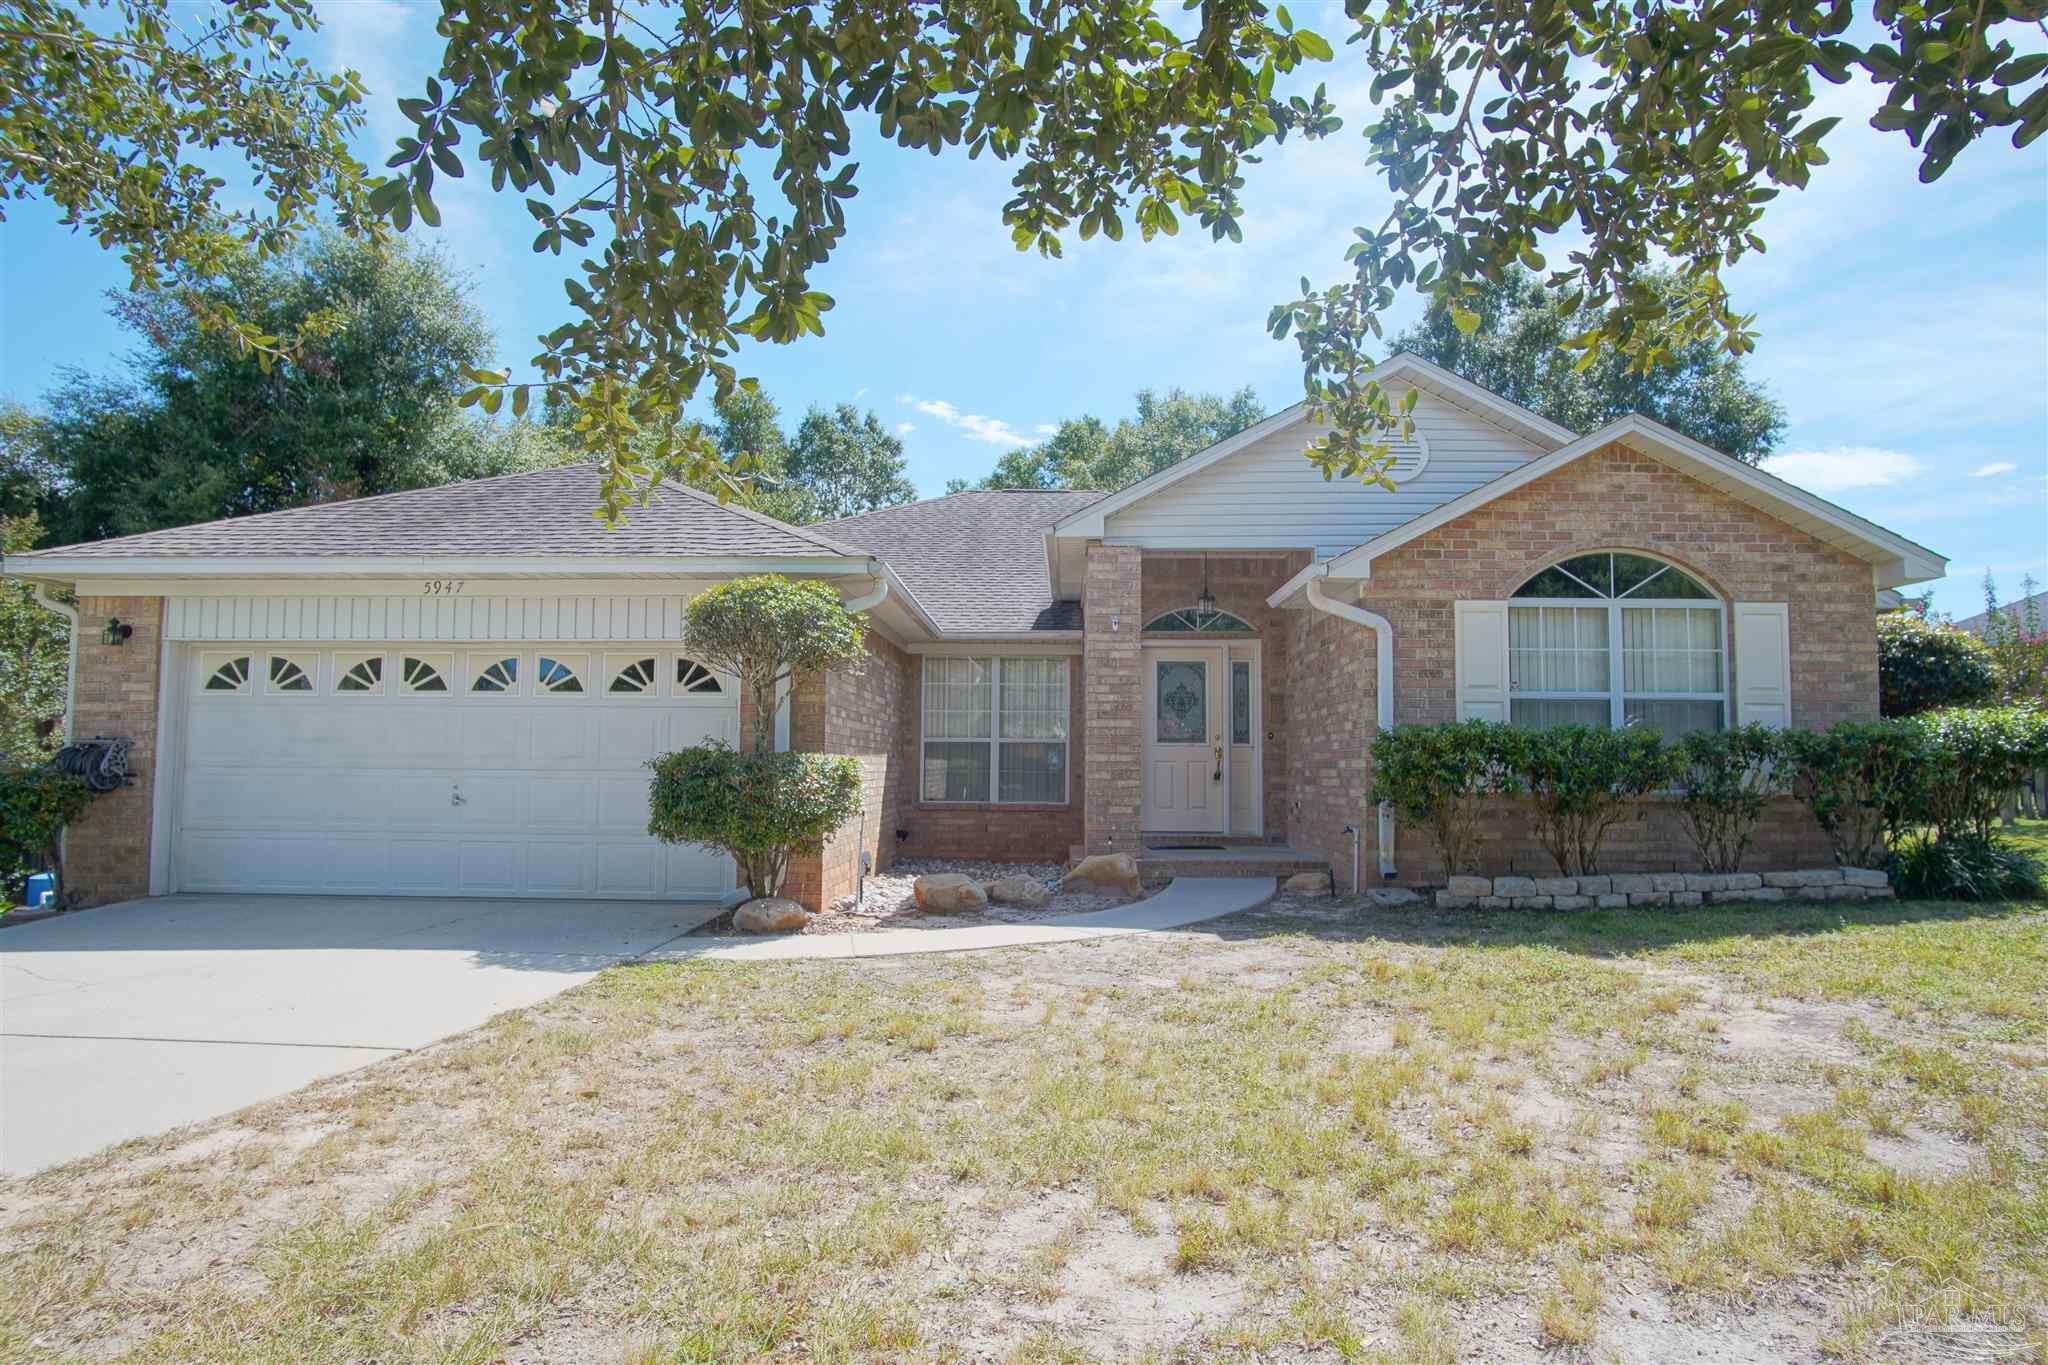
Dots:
pixel 1181 702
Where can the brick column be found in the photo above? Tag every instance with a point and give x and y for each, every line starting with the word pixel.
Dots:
pixel 1114 761
pixel 107 850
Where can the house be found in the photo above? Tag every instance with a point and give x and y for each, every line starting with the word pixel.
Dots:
pixel 2017 613
pixel 452 691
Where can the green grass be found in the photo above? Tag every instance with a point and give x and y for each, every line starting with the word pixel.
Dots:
pixel 1378 1141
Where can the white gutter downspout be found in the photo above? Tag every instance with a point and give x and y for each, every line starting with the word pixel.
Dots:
pixel 873 599
pixel 69 613
pixel 1383 636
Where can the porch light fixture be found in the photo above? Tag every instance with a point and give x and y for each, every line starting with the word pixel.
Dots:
pixel 114 632
pixel 1205 605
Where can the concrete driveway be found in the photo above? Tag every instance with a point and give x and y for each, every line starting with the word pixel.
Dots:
pixel 138 1017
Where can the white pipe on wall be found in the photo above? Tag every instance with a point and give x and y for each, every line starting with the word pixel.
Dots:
pixel 1383 637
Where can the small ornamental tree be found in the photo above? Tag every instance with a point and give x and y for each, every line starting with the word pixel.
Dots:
pixel 762 808
pixel 1976 757
pixel 1922 666
pixel 767 629
pixel 1439 778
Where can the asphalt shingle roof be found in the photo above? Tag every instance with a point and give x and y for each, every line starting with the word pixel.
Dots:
pixel 975 561
pixel 541 512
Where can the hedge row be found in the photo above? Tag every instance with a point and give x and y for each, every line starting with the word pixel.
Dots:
pixel 1941 777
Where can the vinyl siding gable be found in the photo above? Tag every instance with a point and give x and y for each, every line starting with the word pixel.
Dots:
pixel 1267 496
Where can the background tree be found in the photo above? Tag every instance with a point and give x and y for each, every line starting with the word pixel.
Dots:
pixel 847 463
pixel 1086 453
pixel 197 430
pixel 33 659
pixel 1519 350
pixel 1924 666
pixel 2018 640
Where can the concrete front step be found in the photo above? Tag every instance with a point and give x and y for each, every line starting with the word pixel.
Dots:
pixel 1236 860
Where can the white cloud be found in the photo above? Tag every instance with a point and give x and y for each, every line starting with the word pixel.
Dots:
pixel 860 393
pixel 905 428
pixel 1996 467
pixel 1839 469
pixel 988 430
pixel 1046 429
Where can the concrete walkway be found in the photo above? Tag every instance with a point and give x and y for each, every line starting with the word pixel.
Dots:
pixel 1188 900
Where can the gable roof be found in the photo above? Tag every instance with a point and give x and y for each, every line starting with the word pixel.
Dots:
pixel 540 513
pixel 1893 558
pixel 976 561
pixel 2014 611
pixel 1402 367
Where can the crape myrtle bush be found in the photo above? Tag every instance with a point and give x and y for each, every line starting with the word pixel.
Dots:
pixel 1873 787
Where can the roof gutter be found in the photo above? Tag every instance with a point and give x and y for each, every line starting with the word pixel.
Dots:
pixel 1383 688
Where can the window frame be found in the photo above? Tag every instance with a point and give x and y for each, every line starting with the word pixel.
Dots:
pixel 1617 694
pixel 996 739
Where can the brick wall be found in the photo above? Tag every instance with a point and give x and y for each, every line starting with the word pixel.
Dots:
pixel 106 854
pixel 1241 584
pixel 1004 832
pixel 1612 499
pixel 1112 610
pixel 1329 771
pixel 862 715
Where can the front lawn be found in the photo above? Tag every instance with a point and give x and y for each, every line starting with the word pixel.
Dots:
pixel 1310 1133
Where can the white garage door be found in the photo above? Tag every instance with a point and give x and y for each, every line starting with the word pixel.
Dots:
pixel 473 770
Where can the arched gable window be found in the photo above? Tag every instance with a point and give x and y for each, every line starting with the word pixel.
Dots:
pixel 1196 620
pixel 1616 638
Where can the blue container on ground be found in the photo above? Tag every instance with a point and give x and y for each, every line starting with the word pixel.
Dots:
pixel 41 892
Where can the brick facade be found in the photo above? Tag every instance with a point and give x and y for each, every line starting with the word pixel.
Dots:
pixel 1112 611
pixel 862 715
pixel 106 851
pixel 1611 499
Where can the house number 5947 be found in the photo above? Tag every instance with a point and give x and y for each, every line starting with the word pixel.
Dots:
pixel 441 587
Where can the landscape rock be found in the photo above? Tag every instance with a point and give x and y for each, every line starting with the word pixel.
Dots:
pixel 1393 897
pixel 1611 900
pixel 1308 883
pixel 1514 886
pixel 1864 876
pixel 1667 881
pixel 1018 891
pixel 1557 886
pixel 1648 897
pixel 1630 883
pixel 1446 901
pixel 1469 886
pixel 1494 903
pixel 1689 898
pixel 1571 902
pixel 770 915
pixel 1744 881
pixel 1595 886
pixel 1107 869
pixel 947 893
pixel 1532 902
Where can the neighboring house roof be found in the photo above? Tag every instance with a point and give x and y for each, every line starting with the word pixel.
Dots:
pixel 540 513
pixel 1893 558
pixel 975 561
pixel 2014 611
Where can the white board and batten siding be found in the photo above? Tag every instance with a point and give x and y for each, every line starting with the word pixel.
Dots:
pixel 1268 495
pixel 481 616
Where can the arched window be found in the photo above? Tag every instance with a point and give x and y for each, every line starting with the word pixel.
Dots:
pixel 1614 639
pixel 1198 621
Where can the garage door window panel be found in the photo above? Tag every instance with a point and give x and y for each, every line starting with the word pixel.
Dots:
pixel 695 680
pixel 494 675
pixel 631 675
pixel 425 674
pixel 359 674
pixel 561 674
pixel 226 672
pixel 291 675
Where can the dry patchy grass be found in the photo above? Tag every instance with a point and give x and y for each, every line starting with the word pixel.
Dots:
pixel 1369 1137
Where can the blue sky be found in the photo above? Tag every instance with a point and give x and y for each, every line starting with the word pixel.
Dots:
pixel 1905 327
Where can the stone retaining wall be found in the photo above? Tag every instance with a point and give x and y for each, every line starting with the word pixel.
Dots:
pixel 1625 889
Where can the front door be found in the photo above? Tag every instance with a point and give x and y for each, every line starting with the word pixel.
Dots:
pixel 1186 775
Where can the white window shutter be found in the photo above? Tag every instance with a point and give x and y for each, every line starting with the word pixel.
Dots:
pixel 1482 660
pixel 1763 664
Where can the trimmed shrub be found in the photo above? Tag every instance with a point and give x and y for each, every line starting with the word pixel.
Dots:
pixel 1439 777
pixel 1976 756
pixel 35 805
pixel 1728 779
pixel 1584 782
pixel 762 808
pixel 1922 666
pixel 767 629
pixel 1864 783
pixel 1968 867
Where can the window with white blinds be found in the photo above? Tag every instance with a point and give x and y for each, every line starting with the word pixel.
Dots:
pixel 995 729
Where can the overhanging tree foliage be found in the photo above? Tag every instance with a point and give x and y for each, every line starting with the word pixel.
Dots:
pixel 1639 133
